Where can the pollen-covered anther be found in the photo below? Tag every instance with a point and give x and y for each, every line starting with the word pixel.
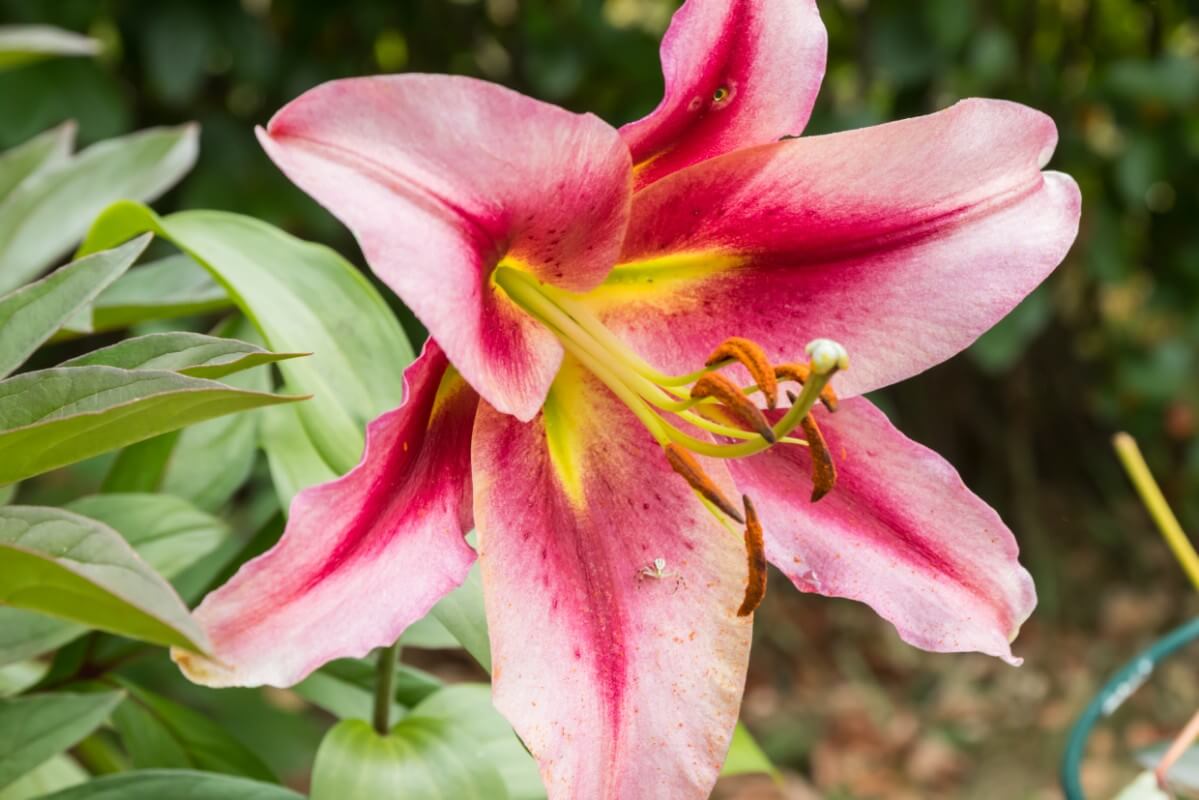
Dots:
pixel 753 358
pixel 730 395
pixel 685 464
pixel 799 373
pixel 824 471
pixel 755 557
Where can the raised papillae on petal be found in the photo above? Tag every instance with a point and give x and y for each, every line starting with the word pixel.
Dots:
pixel 362 557
pixel 899 532
pixel 738 73
pixel 443 178
pixel 611 596
pixel 903 242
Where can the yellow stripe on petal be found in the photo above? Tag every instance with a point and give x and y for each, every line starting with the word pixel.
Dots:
pixel 633 280
pixel 564 415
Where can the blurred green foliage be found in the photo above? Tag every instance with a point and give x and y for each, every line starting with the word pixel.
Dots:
pixel 1110 342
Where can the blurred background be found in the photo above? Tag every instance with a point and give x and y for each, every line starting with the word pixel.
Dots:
pixel 1110 342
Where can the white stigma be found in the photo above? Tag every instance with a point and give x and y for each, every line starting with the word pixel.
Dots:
pixel 827 356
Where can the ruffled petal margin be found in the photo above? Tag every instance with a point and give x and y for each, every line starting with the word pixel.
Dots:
pixel 900 532
pixel 363 556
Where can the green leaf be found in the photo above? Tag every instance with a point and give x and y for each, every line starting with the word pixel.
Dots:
pixel 461 612
pixel 35 728
pixel 184 784
pixel 16 678
pixel 206 463
pixel 42 151
pixel 24 634
pixel 69 566
pixel 58 773
pixel 421 759
pixel 745 756
pixel 139 467
pixel 56 417
pixel 194 354
pixel 212 460
pixel 161 733
pixel 44 216
pixel 294 461
pixel 23 44
pixel 467 708
pixel 429 634
pixel 167 532
pixel 30 315
pixel 303 298
pixel 172 287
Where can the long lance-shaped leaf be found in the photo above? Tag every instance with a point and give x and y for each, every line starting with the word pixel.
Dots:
pixel 303 298
pixel 30 315
pixel 43 217
pixel 42 151
pixel 194 354
pixel 78 569
pixel 155 784
pixel 171 287
pixel 168 532
pixel 22 44
pixel 55 417
pixel 35 728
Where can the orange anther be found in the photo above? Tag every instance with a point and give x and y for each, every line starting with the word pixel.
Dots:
pixel 824 471
pixel 685 464
pixel 753 358
pixel 732 398
pixel 755 556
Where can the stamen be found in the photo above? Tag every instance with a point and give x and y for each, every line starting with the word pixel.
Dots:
pixel 824 471
pixel 754 360
pixel 732 398
pixel 755 557
pixel 685 464
pixel 800 374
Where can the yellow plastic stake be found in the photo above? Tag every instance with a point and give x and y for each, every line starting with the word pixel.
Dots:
pixel 1155 503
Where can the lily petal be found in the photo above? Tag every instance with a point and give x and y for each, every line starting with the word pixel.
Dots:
pixel 738 73
pixel 363 556
pixel 440 178
pixel 899 532
pixel 903 242
pixel 620 683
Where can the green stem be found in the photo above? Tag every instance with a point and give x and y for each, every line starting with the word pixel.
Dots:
pixel 385 687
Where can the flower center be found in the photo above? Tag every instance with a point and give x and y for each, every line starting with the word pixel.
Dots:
pixel 670 406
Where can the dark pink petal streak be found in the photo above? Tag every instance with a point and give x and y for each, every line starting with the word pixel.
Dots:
pixel 441 178
pixel 363 556
pixel 903 242
pixel 622 685
pixel 900 532
pixel 764 57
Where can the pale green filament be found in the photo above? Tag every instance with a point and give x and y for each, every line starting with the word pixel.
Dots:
pixel 638 385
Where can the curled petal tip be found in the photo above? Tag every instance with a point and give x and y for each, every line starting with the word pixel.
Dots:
pixel 827 356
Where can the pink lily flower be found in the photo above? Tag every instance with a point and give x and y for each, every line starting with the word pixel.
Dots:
pixel 597 299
